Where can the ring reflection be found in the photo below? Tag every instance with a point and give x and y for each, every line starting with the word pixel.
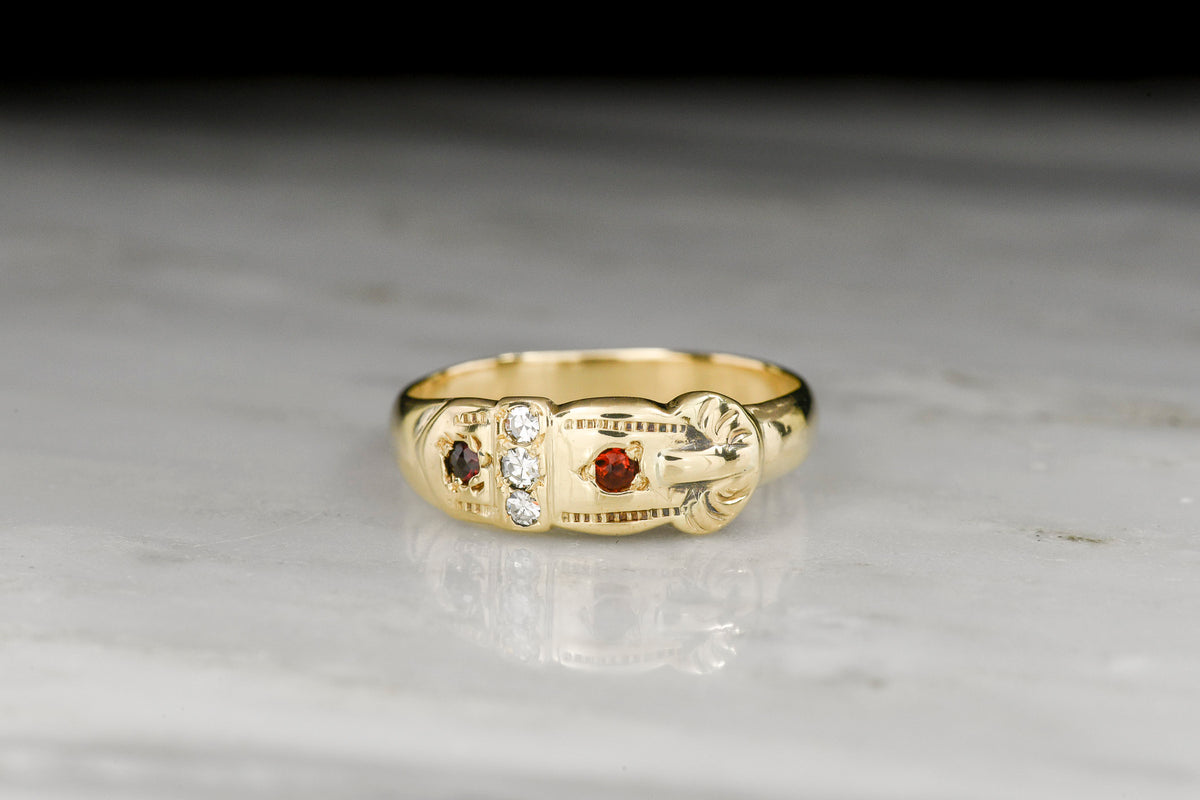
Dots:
pixel 633 604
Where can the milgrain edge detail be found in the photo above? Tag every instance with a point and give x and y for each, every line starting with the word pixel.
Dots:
pixel 639 515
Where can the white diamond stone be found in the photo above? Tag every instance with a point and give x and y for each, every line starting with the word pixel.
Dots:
pixel 522 424
pixel 522 508
pixel 519 468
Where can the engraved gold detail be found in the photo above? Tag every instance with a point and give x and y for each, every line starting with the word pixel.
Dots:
pixel 476 508
pixel 630 426
pixel 700 456
pixel 639 515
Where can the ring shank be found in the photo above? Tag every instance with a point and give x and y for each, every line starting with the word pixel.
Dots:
pixel 779 400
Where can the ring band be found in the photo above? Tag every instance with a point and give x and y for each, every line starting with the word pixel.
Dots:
pixel 606 441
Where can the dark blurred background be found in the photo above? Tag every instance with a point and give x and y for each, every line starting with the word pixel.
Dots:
pixel 49 46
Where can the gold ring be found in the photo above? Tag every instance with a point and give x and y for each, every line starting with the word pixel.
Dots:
pixel 601 441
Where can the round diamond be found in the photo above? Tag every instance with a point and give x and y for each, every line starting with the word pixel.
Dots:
pixel 522 424
pixel 519 468
pixel 522 508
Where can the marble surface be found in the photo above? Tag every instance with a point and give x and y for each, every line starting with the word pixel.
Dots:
pixel 982 584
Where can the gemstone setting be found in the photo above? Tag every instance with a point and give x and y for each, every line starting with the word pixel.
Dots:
pixel 522 508
pixel 615 470
pixel 462 463
pixel 522 424
pixel 520 468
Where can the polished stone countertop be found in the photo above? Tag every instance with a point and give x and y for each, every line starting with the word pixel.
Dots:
pixel 983 583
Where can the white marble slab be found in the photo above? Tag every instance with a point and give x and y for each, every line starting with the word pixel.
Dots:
pixel 983 584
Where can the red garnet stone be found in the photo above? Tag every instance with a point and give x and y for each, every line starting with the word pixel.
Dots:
pixel 615 470
pixel 462 462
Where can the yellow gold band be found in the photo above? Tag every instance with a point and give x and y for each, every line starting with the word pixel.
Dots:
pixel 606 441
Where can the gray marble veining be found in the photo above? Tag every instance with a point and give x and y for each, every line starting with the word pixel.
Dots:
pixel 982 584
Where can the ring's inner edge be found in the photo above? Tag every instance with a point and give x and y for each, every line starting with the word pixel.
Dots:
pixel 659 375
